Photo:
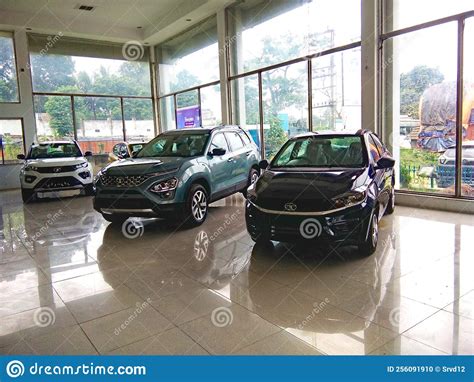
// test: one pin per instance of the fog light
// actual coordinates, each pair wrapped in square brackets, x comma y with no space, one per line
[30,178]
[85,174]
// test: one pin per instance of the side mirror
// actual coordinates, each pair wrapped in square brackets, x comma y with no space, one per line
[218,151]
[263,164]
[88,154]
[135,153]
[385,162]
[21,156]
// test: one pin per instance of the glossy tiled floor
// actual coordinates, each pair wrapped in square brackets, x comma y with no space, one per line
[70,283]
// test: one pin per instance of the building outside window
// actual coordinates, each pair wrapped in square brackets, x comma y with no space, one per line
[11,140]
[8,73]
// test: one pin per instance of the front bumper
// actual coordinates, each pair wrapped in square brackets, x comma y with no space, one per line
[55,182]
[135,202]
[348,225]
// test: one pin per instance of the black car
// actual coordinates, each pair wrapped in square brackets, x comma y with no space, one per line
[330,187]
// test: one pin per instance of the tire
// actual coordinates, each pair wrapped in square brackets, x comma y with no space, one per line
[391,203]
[115,219]
[27,196]
[196,206]
[368,246]
[253,176]
[89,189]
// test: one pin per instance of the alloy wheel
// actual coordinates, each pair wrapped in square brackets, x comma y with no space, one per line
[375,230]
[199,205]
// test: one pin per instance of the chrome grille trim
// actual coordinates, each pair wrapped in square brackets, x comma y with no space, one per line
[123,181]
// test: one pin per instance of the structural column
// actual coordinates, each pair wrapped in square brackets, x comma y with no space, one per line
[223,50]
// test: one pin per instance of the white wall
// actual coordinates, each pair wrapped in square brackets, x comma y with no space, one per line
[9,174]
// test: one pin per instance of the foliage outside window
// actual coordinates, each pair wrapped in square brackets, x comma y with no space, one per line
[8,74]
[11,139]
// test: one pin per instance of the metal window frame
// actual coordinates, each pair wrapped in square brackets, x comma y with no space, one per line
[73,96]
[460,19]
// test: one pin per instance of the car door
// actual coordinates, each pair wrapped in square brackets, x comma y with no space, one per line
[382,176]
[221,166]
[240,170]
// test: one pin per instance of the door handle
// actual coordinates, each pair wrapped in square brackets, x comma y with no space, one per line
[248,153]
[230,159]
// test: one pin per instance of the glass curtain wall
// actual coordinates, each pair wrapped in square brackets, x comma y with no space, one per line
[90,91]
[283,79]
[8,73]
[424,122]
[188,78]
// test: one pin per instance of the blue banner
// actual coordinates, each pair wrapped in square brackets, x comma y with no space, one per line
[237,368]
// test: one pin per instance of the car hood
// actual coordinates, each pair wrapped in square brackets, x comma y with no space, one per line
[309,190]
[49,162]
[140,166]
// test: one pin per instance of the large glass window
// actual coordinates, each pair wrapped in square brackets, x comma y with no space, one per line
[167,113]
[211,105]
[11,140]
[56,73]
[138,114]
[421,106]
[406,13]
[245,110]
[53,118]
[336,81]
[285,105]
[268,32]
[99,123]
[8,75]
[189,59]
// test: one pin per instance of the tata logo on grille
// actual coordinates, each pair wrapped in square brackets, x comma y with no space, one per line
[57,169]
[290,207]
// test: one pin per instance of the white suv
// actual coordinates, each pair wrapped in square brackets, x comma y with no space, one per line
[55,169]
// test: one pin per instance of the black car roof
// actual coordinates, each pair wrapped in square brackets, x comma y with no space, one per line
[357,133]
[203,129]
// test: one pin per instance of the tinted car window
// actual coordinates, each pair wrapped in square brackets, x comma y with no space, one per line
[235,141]
[324,151]
[219,142]
[54,150]
[175,145]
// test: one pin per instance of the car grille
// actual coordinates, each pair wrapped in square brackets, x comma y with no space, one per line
[55,169]
[59,182]
[123,181]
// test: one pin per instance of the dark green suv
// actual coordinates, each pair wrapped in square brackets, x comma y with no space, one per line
[177,174]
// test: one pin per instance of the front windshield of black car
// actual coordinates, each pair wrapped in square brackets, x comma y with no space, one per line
[54,150]
[321,152]
[175,145]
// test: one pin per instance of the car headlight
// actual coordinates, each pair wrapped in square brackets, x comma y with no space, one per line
[350,199]
[81,165]
[31,167]
[164,185]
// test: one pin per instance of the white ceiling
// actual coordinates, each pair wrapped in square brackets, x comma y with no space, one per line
[111,20]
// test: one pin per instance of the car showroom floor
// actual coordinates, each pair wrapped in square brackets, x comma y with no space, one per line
[71,283]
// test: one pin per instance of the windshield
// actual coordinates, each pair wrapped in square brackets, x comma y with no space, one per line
[54,150]
[175,145]
[322,151]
